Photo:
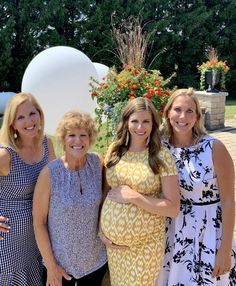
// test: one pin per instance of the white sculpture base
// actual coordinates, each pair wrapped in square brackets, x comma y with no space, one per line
[214,104]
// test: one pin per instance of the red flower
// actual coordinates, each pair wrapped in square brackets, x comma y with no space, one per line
[159,90]
[151,91]
[166,93]
[131,95]
[156,82]
[136,72]
[94,93]
[148,95]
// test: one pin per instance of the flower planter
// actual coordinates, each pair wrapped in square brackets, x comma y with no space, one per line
[212,79]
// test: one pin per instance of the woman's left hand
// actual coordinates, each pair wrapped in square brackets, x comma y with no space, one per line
[122,194]
[222,263]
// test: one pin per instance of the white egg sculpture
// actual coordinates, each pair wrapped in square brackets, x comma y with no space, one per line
[59,79]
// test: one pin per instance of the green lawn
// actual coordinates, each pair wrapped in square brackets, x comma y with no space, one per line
[230,108]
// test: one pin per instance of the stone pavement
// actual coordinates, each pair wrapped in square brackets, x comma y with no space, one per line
[227,135]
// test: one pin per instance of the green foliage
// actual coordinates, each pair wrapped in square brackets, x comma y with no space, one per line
[182,31]
[120,87]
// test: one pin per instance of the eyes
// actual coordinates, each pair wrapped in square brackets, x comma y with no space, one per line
[179,110]
[32,113]
[136,121]
[73,135]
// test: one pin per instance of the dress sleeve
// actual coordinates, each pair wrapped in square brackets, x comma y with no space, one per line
[170,168]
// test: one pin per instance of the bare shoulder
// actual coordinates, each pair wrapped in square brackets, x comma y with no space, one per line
[51,149]
[221,156]
[219,149]
[45,173]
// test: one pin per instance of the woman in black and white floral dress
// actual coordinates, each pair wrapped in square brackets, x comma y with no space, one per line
[199,243]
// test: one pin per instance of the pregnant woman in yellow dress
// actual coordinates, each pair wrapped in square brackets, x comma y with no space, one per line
[143,190]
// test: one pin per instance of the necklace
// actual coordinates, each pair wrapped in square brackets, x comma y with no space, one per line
[80,183]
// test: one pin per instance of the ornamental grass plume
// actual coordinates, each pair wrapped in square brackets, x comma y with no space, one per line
[132,81]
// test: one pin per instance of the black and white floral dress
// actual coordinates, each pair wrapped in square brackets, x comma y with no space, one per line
[193,238]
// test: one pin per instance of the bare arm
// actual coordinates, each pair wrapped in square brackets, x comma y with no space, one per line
[167,206]
[224,169]
[41,202]
[5,162]
[5,165]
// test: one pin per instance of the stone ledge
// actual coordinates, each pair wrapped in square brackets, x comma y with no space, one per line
[214,105]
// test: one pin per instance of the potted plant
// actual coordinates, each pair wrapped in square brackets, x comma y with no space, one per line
[212,71]
[132,81]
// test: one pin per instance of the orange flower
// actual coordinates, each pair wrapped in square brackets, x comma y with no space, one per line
[134,86]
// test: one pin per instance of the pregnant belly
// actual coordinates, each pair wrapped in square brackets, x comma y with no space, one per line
[129,225]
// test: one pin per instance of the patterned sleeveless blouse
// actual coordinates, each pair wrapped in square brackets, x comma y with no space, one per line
[73,216]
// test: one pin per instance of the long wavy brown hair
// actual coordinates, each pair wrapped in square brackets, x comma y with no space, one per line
[119,147]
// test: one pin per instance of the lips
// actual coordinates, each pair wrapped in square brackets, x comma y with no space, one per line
[181,124]
[30,128]
[77,147]
[140,133]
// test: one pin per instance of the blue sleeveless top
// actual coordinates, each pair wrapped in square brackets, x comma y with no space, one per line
[73,216]
[18,249]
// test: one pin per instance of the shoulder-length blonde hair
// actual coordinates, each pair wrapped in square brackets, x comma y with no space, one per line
[76,119]
[198,128]
[7,130]
[120,146]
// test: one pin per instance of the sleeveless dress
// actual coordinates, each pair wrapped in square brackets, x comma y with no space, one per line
[73,216]
[130,225]
[20,260]
[193,238]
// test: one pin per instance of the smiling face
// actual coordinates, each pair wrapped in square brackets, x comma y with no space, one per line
[182,115]
[27,120]
[140,127]
[77,142]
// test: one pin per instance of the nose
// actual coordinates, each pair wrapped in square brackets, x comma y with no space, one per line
[182,114]
[140,126]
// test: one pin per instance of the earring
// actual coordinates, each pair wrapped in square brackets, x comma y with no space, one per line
[127,139]
[148,141]
[15,135]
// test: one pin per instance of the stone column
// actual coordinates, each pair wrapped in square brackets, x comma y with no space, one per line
[214,104]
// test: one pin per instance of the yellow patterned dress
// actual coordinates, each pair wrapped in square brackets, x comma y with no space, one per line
[126,224]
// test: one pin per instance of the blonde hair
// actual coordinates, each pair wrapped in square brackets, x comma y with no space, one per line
[75,119]
[198,128]
[120,146]
[7,130]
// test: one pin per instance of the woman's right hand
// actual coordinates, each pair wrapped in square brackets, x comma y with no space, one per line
[109,243]
[55,274]
[4,227]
